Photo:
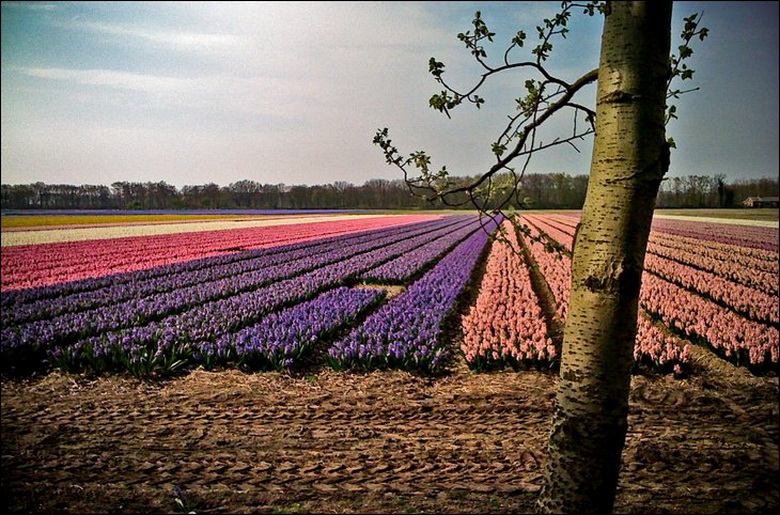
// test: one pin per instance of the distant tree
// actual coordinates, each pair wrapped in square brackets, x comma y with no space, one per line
[631,155]
[245,193]
[18,196]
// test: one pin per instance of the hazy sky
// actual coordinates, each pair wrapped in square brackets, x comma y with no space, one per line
[190,93]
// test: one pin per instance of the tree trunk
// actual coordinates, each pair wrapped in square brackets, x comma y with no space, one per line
[630,157]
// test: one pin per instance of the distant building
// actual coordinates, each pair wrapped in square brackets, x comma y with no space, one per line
[760,202]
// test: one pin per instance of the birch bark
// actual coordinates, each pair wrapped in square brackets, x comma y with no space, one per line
[630,157]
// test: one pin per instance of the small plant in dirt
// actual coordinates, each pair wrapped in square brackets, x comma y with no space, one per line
[183,501]
[295,507]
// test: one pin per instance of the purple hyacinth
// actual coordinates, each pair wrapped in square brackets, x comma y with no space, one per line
[406,332]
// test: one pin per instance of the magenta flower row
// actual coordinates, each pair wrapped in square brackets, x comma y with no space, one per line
[29,266]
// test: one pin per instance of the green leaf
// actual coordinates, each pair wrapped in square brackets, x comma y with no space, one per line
[436,68]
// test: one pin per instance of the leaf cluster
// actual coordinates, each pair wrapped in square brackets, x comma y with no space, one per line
[545,94]
[678,67]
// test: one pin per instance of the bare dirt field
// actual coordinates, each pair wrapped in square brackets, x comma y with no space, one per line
[389,441]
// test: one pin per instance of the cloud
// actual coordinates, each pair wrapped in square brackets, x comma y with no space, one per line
[282,92]
[202,96]
[31,6]
[177,40]
[114,79]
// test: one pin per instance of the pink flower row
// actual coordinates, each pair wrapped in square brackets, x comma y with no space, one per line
[29,266]
[562,233]
[709,238]
[755,268]
[555,267]
[743,235]
[755,258]
[745,270]
[659,347]
[737,338]
[653,345]
[725,330]
[506,322]
[756,304]
[745,239]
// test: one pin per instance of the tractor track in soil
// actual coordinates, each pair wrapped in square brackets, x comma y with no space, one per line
[386,441]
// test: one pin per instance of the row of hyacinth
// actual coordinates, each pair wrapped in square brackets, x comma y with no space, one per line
[64,329]
[698,318]
[653,347]
[553,266]
[178,212]
[401,269]
[557,232]
[750,258]
[737,339]
[207,321]
[407,331]
[266,263]
[754,304]
[277,341]
[706,232]
[754,273]
[16,298]
[659,350]
[758,259]
[765,238]
[283,338]
[506,324]
[62,230]
[755,268]
[40,265]
[79,232]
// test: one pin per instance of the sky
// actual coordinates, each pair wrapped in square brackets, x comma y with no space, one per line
[293,92]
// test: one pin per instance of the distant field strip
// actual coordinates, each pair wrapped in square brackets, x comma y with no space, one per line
[101,233]
[731,221]
[27,222]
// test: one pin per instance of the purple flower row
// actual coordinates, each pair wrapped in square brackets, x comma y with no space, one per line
[160,341]
[405,266]
[205,271]
[406,331]
[16,298]
[274,342]
[70,327]
[281,338]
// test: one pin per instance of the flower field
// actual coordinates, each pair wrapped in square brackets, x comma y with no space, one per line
[42,264]
[690,292]
[317,293]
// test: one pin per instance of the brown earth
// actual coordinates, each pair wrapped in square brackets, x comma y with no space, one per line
[331,442]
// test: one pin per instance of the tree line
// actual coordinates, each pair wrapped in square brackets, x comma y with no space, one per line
[537,191]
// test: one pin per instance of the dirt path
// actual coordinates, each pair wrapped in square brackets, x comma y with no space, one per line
[380,442]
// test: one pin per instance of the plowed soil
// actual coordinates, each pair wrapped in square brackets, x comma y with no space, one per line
[327,442]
